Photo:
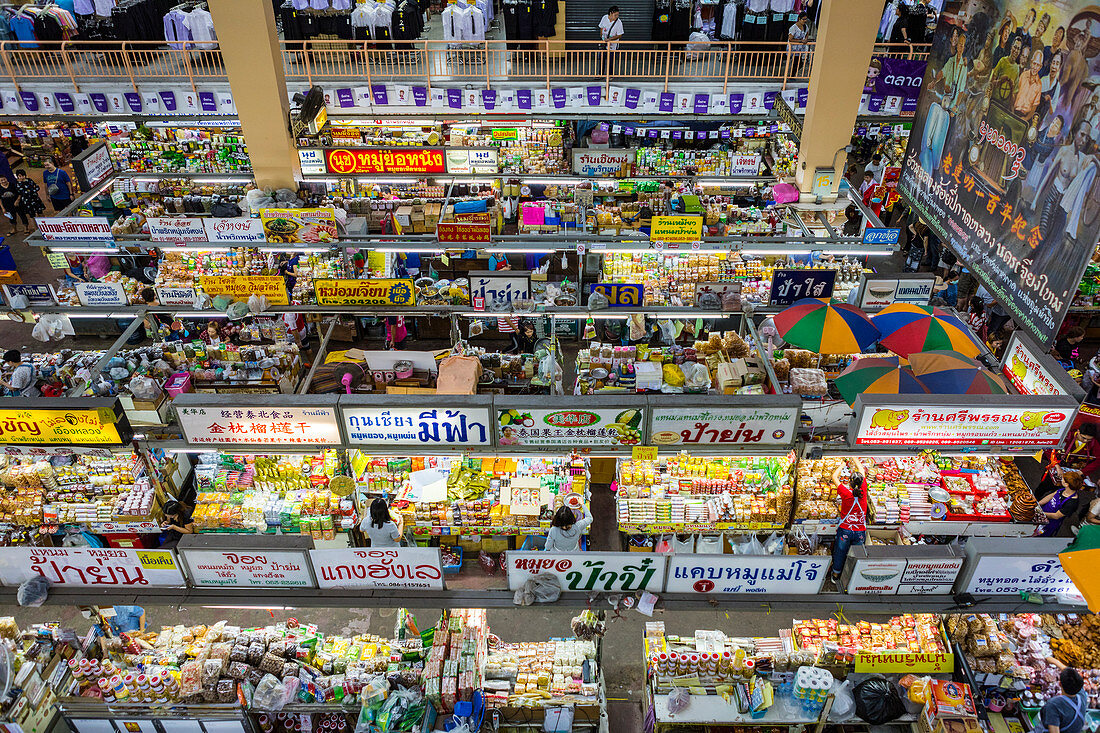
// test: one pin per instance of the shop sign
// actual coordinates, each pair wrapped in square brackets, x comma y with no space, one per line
[124,527]
[90,567]
[93,166]
[176,229]
[589,571]
[379,291]
[242,287]
[473,160]
[929,575]
[299,226]
[405,568]
[789,574]
[876,576]
[462,232]
[609,163]
[621,295]
[418,425]
[881,292]
[906,662]
[259,425]
[592,426]
[676,229]
[261,569]
[745,164]
[234,229]
[1023,366]
[75,228]
[750,426]
[901,424]
[344,161]
[312,161]
[35,294]
[506,133]
[503,287]
[790,286]
[176,297]
[473,217]
[882,235]
[53,426]
[101,294]
[1008,575]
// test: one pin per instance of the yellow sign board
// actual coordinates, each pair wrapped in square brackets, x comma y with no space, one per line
[240,287]
[379,291]
[56,427]
[903,662]
[156,560]
[57,260]
[676,229]
[644,453]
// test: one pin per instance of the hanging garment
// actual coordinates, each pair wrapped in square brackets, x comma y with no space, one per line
[727,28]
[662,21]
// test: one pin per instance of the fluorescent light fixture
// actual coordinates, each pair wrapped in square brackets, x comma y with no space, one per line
[200,314]
[195,248]
[420,250]
[85,250]
[296,249]
[502,250]
[381,180]
[100,315]
[257,608]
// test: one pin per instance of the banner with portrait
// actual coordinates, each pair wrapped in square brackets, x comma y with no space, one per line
[1003,162]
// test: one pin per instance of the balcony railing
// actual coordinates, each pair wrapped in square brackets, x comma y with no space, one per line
[428,62]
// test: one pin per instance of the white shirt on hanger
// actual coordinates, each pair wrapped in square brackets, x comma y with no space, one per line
[473,27]
[201,25]
[757,6]
[782,6]
[341,4]
[729,20]
[452,29]
[83,7]
[104,7]
[361,17]
[318,4]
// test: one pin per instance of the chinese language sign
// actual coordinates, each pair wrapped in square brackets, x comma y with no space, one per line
[260,426]
[76,427]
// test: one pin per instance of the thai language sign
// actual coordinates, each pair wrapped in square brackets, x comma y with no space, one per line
[621,295]
[299,226]
[906,662]
[614,163]
[177,297]
[101,294]
[241,287]
[74,228]
[406,568]
[176,229]
[589,571]
[1008,575]
[87,566]
[1025,370]
[900,424]
[418,425]
[744,164]
[750,426]
[50,426]
[397,292]
[465,232]
[903,576]
[1000,162]
[260,569]
[676,229]
[375,160]
[234,229]
[259,425]
[600,426]
[791,574]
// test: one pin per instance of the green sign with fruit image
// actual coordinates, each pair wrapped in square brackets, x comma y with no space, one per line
[590,427]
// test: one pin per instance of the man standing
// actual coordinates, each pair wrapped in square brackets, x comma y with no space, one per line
[58,185]
[876,167]
[611,30]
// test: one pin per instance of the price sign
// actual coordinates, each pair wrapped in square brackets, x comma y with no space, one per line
[790,286]
[643,453]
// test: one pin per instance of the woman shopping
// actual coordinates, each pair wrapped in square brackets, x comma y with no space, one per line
[1061,500]
[853,515]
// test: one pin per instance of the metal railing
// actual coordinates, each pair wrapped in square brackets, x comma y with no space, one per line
[429,63]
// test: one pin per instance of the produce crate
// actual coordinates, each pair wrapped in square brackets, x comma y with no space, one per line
[454,569]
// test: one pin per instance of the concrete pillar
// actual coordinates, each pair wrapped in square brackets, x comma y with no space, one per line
[845,43]
[250,51]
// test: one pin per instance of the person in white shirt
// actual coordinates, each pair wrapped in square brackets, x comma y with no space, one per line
[796,43]
[565,531]
[876,167]
[380,527]
[611,30]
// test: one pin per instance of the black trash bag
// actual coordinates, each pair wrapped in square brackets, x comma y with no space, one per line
[878,701]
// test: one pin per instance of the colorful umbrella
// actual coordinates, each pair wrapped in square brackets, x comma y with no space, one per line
[912,328]
[877,376]
[826,328]
[926,362]
[964,381]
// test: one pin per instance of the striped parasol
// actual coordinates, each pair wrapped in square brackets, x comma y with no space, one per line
[829,328]
[908,329]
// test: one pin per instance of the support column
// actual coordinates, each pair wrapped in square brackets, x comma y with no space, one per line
[845,43]
[254,65]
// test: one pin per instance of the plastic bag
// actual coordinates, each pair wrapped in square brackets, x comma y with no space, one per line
[33,592]
[754,547]
[221,302]
[40,332]
[598,301]
[270,694]
[773,545]
[257,303]
[19,302]
[145,388]
[237,311]
[678,700]
[540,588]
[843,702]
[476,327]
[877,700]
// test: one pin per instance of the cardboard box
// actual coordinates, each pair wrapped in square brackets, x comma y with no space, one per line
[404,215]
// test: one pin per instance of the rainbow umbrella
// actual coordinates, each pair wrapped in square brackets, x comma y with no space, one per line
[912,328]
[949,372]
[827,328]
[877,376]
[927,362]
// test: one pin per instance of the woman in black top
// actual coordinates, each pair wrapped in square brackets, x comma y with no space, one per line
[29,200]
[9,198]
[177,523]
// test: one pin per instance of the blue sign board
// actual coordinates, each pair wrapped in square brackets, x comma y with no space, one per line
[881,235]
[621,295]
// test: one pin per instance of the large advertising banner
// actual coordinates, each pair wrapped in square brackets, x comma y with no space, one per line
[1002,163]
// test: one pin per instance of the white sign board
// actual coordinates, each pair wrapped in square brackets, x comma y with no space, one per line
[91,567]
[876,576]
[1025,370]
[788,574]
[75,228]
[1008,575]
[409,568]
[487,288]
[923,576]
[97,165]
[745,165]
[176,229]
[103,294]
[259,426]
[900,424]
[261,569]
[749,426]
[234,229]
[418,425]
[881,292]
[590,571]
[176,297]
[602,162]
[312,161]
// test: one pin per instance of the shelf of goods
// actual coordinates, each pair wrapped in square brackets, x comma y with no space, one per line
[790,680]
[164,195]
[160,149]
[670,278]
[723,364]
[272,494]
[104,492]
[1087,297]
[37,140]
[685,493]
[500,498]
[186,269]
[921,492]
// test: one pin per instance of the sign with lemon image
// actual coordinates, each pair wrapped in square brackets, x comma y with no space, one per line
[599,426]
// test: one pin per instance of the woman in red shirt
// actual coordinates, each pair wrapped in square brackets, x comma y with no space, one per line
[853,515]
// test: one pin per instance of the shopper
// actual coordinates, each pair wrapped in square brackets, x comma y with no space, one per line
[289,270]
[566,530]
[29,200]
[867,186]
[9,199]
[1065,348]
[1062,501]
[853,515]
[611,30]
[23,376]
[876,167]
[58,185]
[1088,447]
[976,318]
[1065,713]
[177,523]
[379,526]
[797,36]
[947,288]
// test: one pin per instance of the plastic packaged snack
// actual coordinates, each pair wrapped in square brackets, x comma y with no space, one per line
[808,382]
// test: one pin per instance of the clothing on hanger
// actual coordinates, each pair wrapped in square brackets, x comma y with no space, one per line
[201,25]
